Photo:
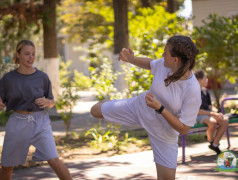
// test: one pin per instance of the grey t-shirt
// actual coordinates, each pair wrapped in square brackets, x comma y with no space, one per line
[19,91]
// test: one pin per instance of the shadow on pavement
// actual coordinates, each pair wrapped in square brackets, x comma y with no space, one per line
[204,165]
[79,170]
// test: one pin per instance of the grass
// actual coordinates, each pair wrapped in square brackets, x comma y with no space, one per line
[194,138]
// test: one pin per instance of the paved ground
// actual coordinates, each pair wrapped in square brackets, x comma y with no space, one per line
[201,162]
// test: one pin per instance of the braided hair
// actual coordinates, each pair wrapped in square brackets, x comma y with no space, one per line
[183,48]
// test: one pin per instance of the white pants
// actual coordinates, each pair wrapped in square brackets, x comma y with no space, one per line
[123,112]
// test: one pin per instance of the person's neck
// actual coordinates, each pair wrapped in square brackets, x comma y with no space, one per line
[186,75]
[26,70]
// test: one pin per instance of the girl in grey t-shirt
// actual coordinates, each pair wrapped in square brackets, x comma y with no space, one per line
[27,91]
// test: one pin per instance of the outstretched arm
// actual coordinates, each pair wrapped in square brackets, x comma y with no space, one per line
[127,55]
[172,120]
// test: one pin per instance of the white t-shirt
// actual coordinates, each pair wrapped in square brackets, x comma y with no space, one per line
[181,98]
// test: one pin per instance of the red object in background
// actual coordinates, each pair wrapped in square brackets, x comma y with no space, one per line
[201,42]
[210,82]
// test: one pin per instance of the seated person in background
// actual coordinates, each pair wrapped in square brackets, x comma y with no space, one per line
[208,115]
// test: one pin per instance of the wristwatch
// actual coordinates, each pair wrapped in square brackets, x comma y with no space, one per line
[160,110]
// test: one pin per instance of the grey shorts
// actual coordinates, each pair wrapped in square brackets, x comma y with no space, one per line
[200,118]
[23,130]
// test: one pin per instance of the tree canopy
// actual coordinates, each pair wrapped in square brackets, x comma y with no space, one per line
[217,40]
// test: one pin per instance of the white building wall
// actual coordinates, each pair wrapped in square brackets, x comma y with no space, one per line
[79,62]
[202,8]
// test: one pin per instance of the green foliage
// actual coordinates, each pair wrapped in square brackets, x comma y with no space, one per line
[196,138]
[217,40]
[99,139]
[4,116]
[149,30]
[17,21]
[102,75]
[68,97]
[135,4]
[104,140]
[218,43]
[81,81]
[85,20]
[5,67]
[94,18]
[231,107]
[193,138]
[103,80]
[139,80]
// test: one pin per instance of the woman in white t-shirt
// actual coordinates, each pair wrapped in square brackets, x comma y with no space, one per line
[168,109]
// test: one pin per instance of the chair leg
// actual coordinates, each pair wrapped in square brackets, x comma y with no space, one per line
[228,138]
[183,148]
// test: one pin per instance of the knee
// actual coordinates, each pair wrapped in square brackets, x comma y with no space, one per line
[96,109]
[225,122]
[53,161]
[212,125]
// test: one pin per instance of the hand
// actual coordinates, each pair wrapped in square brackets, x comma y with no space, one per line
[221,117]
[126,55]
[1,105]
[151,101]
[42,102]
[217,116]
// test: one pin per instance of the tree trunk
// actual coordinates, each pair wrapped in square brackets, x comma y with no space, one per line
[120,39]
[171,6]
[50,44]
[145,3]
[216,90]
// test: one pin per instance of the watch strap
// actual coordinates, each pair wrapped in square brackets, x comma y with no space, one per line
[160,110]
